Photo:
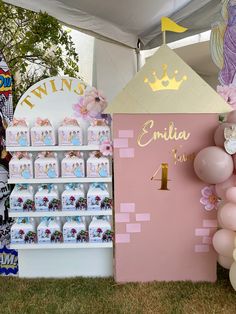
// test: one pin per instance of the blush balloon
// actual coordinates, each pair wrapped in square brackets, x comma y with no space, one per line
[223,242]
[231,118]
[230,195]
[219,137]
[225,261]
[221,188]
[213,165]
[227,216]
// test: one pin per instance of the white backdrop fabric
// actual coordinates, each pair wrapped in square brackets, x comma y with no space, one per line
[129,21]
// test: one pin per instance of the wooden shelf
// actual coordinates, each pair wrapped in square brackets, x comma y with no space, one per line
[62,213]
[51,148]
[59,180]
[50,246]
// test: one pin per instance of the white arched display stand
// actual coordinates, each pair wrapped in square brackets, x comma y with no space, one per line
[53,98]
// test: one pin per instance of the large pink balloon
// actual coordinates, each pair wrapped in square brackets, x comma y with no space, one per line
[213,165]
[219,134]
[230,195]
[225,261]
[227,216]
[223,242]
[231,118]
[221,188]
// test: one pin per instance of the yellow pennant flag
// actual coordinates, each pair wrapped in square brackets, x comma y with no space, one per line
[169,25]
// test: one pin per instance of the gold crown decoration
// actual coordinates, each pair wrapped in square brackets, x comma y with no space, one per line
[165,82]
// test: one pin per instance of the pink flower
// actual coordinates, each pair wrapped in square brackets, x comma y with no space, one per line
[20,200]
[106,148]
[47,231]
[91,105]
[95,101]
[209,199]
[21,231]
[228,92]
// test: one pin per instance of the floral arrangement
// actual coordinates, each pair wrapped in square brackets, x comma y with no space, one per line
[91,105]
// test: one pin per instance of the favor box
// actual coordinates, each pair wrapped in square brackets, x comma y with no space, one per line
[74,230]
[22,198]
[98,132]
[49,231]
[70,133]
[100,230]
[46,165]
[23,231]
[47,198]
[17,134]
[43,133]
[98,166]
[98,197]
[73,197]
[21,166]
[72,165]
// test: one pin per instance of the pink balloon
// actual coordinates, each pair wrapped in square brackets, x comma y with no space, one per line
[231,118]
[219,134]
[221,188]
[223,242]
[225,261]
[213,165]
[231,195]
[227,216]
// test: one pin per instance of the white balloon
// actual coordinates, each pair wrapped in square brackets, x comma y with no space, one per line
[232,275]
[225,261]
[223,242]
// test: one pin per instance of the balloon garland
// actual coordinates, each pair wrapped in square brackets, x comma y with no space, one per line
[215,165]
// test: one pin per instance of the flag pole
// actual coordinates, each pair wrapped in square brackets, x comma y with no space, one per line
[164,37]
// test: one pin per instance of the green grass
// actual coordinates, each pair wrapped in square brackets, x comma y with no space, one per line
[88,295]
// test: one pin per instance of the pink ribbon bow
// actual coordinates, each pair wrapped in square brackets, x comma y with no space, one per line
[70,121]
[73,153]
[19,122]
[99,122]
[42,122]
[46,155]
[20,155]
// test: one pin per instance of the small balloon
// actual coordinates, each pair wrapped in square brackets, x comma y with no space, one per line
[221,188]
[225,261]
[213,165]
[219,137]
[223,242]
[227,216]
[231,195]
[232,275]
[231,118]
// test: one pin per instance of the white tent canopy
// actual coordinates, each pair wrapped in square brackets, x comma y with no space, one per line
[129,21]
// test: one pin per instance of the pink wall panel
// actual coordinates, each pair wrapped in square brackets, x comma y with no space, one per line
[166,234]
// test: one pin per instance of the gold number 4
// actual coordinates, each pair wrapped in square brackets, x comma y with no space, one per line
[164,176]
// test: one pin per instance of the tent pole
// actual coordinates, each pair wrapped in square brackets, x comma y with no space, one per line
[138,56]
[164,37]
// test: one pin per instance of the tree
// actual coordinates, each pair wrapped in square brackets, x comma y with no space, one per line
[35,46]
